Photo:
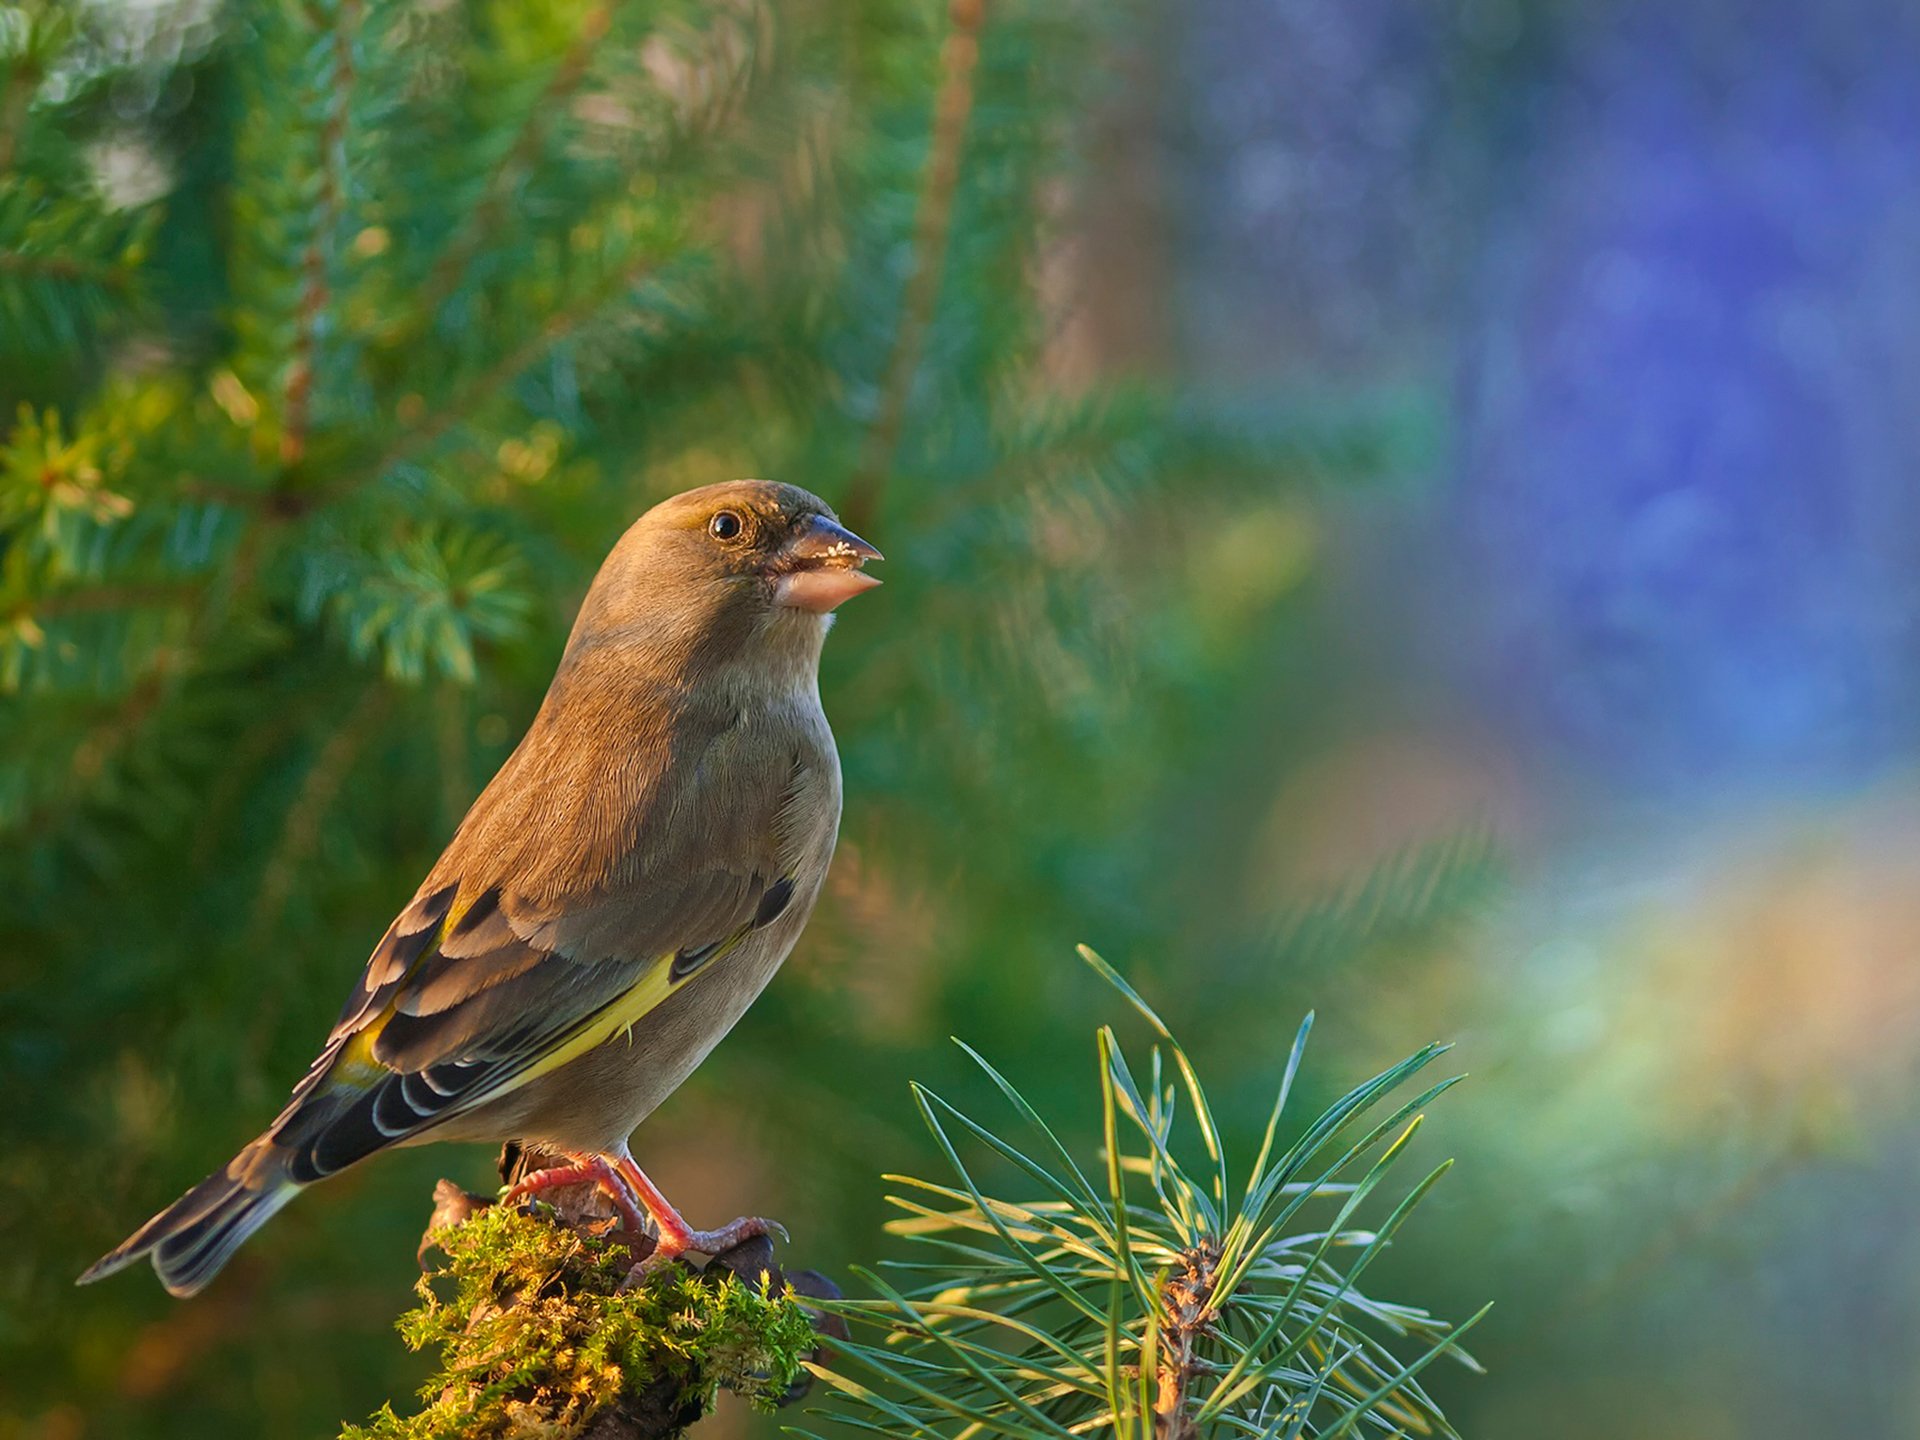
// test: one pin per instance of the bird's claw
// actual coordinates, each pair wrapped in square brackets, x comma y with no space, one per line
[711,1243]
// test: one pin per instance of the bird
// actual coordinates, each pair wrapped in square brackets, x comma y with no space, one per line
[617,896]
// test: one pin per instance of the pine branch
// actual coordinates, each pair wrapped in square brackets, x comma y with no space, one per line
[115,597]
[959,58]
[1168,1300]
[1187,1313]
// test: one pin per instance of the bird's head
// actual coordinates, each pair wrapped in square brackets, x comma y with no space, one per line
[727,572]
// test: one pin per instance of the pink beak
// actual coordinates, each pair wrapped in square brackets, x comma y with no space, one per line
[822,567]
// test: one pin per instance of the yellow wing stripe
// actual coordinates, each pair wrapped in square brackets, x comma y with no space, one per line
[622,1014]
[357,1067]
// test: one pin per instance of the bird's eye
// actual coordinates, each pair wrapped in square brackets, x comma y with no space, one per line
[726,525]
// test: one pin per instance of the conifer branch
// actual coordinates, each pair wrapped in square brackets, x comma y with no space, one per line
[68,267]
[96,751]
[297,404]
[423,433]
[300,834]
[959,59]
[114,597]
[22,79]
[451,267]
[73,268]
[1164,1302]
[1186,1299]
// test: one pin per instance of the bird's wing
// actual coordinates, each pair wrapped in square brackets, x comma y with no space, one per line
[470,996]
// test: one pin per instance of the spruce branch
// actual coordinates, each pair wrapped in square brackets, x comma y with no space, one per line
[469,399]
[484,219]
[297,396]
[69,267]
[953,104]
[16,93]
[106,275]
[116,597]
[300,832]
[28,43]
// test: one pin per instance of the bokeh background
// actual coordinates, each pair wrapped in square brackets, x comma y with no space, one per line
[1404,510]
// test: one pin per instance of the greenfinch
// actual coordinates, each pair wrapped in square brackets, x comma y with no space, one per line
[618,895]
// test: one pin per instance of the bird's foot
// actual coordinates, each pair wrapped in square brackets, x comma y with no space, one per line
[584,1170]
[683,1240]
[675,1236]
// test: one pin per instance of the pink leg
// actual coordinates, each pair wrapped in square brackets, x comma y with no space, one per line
[676,1236]
[585,1170]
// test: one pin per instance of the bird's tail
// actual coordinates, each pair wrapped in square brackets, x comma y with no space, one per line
[193,1237]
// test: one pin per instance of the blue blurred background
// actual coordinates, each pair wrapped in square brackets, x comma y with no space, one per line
[1649,611]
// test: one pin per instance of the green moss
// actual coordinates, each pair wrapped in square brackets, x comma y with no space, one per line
[535,1337]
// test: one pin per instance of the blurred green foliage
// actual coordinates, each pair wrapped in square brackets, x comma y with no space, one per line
[338,342]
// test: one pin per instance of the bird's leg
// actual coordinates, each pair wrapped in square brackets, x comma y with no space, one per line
[676,1236]
[585,1170]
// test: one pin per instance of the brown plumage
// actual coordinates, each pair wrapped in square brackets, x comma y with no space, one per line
[615,899]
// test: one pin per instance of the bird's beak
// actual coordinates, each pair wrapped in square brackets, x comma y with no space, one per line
[820,566]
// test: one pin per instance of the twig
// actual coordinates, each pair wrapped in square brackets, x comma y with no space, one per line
[112,597]
[1186,1312]
[959,58]
[297,407]
[456,788]
[23,78]
[66,267]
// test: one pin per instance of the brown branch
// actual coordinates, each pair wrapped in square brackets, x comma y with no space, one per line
[112,597]
[451,267]
[65,267]
[297,404]
[236,496]
[23,78]
[1186,1311]
[117,731]
[959,58]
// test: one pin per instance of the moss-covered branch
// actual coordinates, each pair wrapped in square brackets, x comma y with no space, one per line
[543,1331]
